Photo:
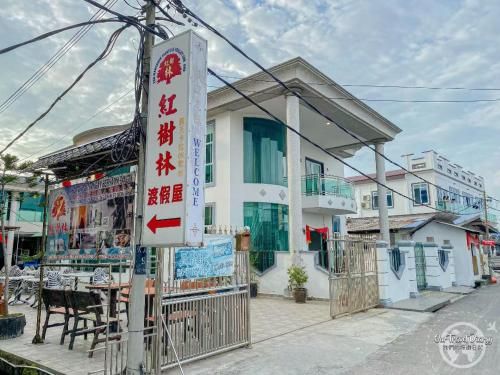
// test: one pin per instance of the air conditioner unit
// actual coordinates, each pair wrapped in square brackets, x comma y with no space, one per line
[367,198]
[365,204]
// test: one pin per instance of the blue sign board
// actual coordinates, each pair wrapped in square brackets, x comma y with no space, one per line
[213,260]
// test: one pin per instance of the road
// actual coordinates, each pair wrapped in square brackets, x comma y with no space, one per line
[417,353]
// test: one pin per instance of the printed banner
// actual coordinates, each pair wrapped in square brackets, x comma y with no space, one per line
[92,220]
[213,260]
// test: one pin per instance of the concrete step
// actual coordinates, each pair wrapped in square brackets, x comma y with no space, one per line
[423,303]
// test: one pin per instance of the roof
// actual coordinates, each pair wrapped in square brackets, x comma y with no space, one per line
[89,157]
[458,227]
[396,223]
[390,175]
[296,73]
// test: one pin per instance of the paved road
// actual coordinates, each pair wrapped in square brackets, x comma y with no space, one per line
[417,353]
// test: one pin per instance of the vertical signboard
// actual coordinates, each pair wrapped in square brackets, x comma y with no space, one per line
[175,143]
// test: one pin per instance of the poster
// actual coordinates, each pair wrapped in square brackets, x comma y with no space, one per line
[175,143]
[92,220]
[214,260]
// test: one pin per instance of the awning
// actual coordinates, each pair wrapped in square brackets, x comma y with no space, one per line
[83,160]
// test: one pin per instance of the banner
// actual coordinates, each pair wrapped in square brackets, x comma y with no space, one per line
[214,260]
[92,220]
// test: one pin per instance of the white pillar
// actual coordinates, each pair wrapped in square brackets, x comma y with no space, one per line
[13,212]
[295,235]
[383,214]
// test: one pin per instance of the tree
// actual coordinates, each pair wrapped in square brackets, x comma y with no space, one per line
[11,172]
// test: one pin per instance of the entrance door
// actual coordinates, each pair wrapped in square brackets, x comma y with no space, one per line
[314,172]
[420,266]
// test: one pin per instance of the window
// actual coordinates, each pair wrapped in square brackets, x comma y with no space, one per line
[468,180]
[268,224]
[390,201]
[463,178]
[30,207]
[418,166]
[209,153]
[475,183]
[467,199]
[454,194]
[440,166]
[264,151]
[455,174]
[448,170]
[420,194]
[209,214]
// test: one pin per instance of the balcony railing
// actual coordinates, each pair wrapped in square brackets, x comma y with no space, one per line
[463,209]
[327,185]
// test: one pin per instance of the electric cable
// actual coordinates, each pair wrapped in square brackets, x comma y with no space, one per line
[186,11]
[102,56]
[40,72]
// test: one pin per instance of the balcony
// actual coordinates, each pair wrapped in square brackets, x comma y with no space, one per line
[329,195]
[462,209]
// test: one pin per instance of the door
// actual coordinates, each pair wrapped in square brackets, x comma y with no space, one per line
[420,266]
[314,172]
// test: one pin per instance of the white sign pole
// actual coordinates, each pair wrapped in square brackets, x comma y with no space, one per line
[175,146]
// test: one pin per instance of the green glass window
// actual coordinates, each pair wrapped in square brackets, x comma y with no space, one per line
[268,224]
[209,215]
[264,148]
[30,208]
[209,153]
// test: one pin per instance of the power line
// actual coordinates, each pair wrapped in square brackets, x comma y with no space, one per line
[387,100]
[35,77]
[186,11]
[210,71]
[81,124]
[103,55]
[373,85]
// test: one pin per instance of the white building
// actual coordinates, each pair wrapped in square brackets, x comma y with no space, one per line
[23,217]
[462,191]
[261,175]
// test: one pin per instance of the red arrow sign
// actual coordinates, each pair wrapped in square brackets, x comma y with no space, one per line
[155,223]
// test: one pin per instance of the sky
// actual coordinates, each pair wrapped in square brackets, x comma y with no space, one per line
[446,43]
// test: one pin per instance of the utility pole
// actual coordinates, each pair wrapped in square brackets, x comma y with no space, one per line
[485,199]
[135,356]
[38,339]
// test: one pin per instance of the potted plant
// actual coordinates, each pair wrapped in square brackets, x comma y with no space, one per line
[297,277]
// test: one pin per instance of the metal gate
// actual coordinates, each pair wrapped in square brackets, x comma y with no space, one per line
[353,275]
[420,266]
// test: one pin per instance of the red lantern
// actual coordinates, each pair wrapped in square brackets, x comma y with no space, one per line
[66,183]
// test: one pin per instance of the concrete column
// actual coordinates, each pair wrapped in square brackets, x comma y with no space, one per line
[295,235]
[383,273]
[408,248]
[14,209]
[383,214]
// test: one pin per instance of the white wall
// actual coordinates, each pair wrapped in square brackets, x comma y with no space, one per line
[462,257]
[274,281]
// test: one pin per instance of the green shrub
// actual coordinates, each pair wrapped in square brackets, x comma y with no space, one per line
[297,276]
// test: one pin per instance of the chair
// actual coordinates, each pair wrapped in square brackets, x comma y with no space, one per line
[124,295]
[87,306]
[15,286]
[55,302]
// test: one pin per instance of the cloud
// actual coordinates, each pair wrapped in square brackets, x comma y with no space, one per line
[414,42]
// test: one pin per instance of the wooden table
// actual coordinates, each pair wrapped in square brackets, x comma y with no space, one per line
[113,289]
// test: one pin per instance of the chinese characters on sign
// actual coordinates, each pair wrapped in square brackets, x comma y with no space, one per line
[91,220]
[174,178]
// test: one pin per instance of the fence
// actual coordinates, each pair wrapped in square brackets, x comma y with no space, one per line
[353,275]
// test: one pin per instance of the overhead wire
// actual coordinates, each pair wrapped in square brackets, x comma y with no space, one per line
[187,12]
[40,72]
[102,56]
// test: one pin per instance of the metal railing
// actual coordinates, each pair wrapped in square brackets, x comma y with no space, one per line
[196,327]
[463,209]
[353,275]
[327,185]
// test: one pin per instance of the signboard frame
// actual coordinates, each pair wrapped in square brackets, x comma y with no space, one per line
[175,143]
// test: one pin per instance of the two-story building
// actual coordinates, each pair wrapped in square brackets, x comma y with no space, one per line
[461,192]
[258,173]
